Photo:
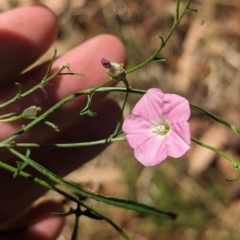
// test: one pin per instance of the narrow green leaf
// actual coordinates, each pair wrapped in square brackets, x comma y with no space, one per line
[128,204]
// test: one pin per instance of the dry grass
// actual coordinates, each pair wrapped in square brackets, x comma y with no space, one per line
[204,66]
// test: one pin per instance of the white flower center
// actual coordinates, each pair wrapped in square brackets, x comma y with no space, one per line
[162,128]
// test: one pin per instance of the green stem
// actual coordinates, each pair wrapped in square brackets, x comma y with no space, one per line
[221,153]
[116,131]
[177,9]
[63,145]
[11,119]
[235,164]
[50,65]
[216,118]
[75,229]
[14,98]
[52,109]
[40,85]
[44,81]
[164,41]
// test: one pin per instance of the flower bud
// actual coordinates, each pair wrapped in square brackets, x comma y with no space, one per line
[114,70]
[31,112]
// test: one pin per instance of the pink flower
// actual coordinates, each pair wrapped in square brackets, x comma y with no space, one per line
[158,127]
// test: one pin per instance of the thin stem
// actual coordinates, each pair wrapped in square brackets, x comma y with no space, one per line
[63,145]
[11,119]
[44,81]
[216,118]
[52,109]
[115,133]
[75,229]
[177,9]
[164,41]
[14,98]
[229,158]
[50,65]
[235,164]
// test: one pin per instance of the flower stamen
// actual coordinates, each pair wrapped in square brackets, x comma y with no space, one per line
[162,129]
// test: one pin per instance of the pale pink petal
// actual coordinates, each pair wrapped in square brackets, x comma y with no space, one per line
[183,131]
[150,106]
[176,146]
[135,124]
[151,152]
[137,139]
[176,108]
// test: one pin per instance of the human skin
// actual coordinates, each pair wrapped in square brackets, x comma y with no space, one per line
[25,34]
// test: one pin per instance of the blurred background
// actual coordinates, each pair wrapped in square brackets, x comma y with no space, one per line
[203,64]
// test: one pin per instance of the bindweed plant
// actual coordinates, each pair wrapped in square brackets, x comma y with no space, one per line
[156,129]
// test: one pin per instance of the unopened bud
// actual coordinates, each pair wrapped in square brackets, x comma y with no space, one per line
[114,70]
[106,63]
[31,112]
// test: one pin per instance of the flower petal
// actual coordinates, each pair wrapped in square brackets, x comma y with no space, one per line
[135,124]
[150,106]
[152,151]
[137,139]
[176,108]
[182,130]
[176,146]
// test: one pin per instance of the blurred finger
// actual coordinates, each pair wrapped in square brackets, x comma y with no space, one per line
[37,223]
[85,59]
[60,161]
[25,34]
